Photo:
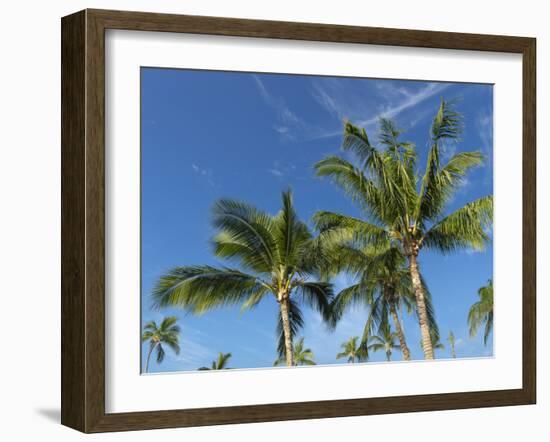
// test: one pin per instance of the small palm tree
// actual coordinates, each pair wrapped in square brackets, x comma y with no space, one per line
[384,285]
[352,351]
[481,312]
[276,255]
[384,340]
[401,208]
[167,333]
[452,342]
[302,356]
[220,363]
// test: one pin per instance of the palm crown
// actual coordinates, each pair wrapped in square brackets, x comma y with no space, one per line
[352,350]
[302,355]
[165,334]
[452,343]
[275,257]
[384,340]
[399,207]
[383,284]
[220,363]
[481,312]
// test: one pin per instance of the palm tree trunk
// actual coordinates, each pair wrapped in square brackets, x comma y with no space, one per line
[287,332]
[400,335]
[388,356]
[421,306]
[151,348]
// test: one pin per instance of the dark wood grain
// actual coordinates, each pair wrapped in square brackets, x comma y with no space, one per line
[73,254]
[529,220]
[83,220]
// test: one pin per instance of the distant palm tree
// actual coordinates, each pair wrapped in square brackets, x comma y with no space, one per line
[404,206]
[384,340]
[383,284]
[452,342]
[220,363]
[302,356]
[275,253]
[352,351]
[481,312]
[167,333]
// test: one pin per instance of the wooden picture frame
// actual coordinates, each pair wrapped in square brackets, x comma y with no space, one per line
[83,220]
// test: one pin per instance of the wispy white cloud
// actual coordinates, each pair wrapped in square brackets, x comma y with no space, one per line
[204,172]
[193,353]
[484,125]
[280,169]
[346,104]
[287,120]
[447,149]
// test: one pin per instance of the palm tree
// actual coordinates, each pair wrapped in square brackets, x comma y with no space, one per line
[302,356]
[402,209]
[352,351]
[384,285]
[384,340]
[481,312]
[220,363]
[436,342]
[275,255]
[167,333]
[452,343]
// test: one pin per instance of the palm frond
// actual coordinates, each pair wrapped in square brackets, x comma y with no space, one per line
[160,353]
[440,184]
[201,288]
[336,229]
[244,225]
[296,321]
[290,234]
[354,183]
[464,228]
[317,295]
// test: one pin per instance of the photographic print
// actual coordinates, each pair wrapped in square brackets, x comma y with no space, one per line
[302,220]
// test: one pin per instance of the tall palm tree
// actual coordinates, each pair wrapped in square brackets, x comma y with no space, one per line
[452,343]
[302,356]
[401,208]
[384,340]
[220,363]
[167,333]
[481,312]
[435,340]
[352,351]
[383,284]
[275,257]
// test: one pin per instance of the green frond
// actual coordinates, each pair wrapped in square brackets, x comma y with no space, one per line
[481,312]
[317,295]
[336,229]
[202,288]
[147,335]
[354,183]
[290,234]
[160,354]
[296,321]
[464,228]
[302,356]
[447,123]
[357,141]
[248,227]
[440,184]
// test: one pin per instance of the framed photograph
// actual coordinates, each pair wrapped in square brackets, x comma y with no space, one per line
[266,221]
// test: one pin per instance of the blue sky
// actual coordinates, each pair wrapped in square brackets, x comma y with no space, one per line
[208,134]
